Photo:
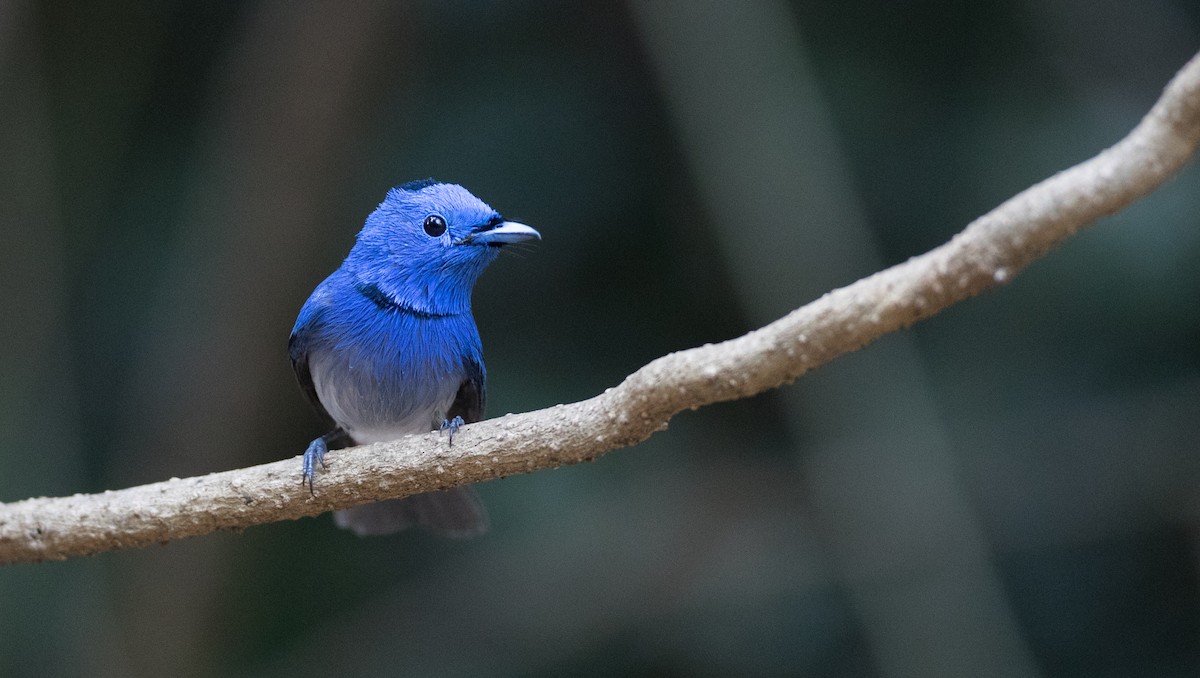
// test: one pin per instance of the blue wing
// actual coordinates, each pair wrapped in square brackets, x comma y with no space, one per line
[299,344]
[472,394]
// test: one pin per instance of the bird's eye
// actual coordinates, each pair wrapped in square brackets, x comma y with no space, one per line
[435,225]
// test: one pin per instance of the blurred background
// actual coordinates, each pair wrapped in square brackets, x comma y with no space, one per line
[1008,489]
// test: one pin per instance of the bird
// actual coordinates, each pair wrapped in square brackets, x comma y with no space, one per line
[387,344]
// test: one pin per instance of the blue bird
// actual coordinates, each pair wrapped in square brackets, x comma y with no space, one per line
[387,345]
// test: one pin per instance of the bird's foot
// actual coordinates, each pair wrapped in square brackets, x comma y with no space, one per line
[451,426]
[314,455]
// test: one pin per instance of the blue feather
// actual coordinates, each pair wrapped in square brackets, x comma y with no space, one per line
[387,345]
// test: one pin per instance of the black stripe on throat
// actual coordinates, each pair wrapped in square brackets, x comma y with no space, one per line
[386,303]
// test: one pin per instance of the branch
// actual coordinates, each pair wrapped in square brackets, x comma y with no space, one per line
[989,252]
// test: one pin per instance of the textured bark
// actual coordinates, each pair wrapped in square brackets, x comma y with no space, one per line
[988,253]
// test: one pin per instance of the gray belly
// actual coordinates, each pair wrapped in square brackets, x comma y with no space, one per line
[375,404]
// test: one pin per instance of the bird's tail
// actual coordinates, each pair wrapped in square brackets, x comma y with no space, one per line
[457,512]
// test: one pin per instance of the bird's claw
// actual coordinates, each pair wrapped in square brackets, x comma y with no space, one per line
[451,426]
[314,455]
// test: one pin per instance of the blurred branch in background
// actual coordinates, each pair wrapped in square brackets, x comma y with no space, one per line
[881,472]
[38,400]
[989,252]
[273,148]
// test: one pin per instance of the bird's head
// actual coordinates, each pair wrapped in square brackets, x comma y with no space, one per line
[427,243]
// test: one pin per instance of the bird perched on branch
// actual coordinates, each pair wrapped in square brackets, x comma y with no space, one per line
[387,345]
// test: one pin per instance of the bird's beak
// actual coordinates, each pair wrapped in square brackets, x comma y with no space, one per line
[504,233]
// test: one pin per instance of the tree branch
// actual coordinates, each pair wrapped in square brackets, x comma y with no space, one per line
[989,252]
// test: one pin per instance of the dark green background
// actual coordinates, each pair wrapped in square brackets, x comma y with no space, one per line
[1007,489]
